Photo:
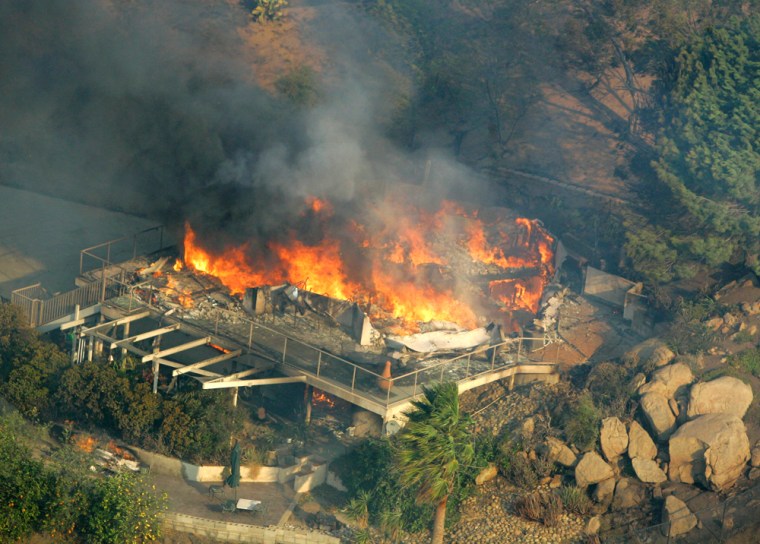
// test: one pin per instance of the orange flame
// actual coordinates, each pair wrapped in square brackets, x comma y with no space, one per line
[322,398]
[392,253]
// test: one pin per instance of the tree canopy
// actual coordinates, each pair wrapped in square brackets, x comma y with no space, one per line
[709,156]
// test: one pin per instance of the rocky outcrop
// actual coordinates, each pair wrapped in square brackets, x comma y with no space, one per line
[628,494]
[558,452]
[648,471]
[669,381]
[677,519]
[658,414]
[711,450]
[592,469]
[640,444]
[725,395]
[613,438]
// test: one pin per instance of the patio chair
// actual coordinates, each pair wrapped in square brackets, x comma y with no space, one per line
[229,506]
[216,491]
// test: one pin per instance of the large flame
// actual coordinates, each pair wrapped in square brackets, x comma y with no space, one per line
[393,278]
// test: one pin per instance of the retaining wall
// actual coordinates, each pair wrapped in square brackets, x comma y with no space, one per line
[307,473]
[240,532]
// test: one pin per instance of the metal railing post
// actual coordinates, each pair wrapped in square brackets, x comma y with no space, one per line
[319,361]
[493,357]
[250,336]
[519,346]
[284,348]
[353,380]
[467,372]
[414,390]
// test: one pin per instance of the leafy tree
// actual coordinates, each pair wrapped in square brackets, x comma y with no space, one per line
[18,341]
[125,509]
[708,153]
[432,448]
[94,393]
[23,489]
[197,426]
[269,10]
[30,385]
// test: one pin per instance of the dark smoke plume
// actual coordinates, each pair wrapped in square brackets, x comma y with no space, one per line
[152,108]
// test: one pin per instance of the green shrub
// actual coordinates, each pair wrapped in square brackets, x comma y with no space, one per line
[747,361]
[299,86]
[582,423]
[609,385]
[742,337]
[368,470]
[575,499]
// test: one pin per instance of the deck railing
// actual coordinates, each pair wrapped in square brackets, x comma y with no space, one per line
[351,377]
[41,308]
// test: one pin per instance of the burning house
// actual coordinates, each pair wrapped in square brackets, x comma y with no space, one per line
[361,308]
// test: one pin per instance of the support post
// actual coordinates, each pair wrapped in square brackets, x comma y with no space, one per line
[90,346]
[234,397]
[156,370]
[125,334]
[307,394]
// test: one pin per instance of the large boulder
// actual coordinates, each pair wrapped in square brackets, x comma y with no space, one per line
[640,444]
[558,452]
[658,414]
[725,395]
[669,381]
[592,469]
[613,438]
[628,494]
[677,519]
[648,471]
[711,450]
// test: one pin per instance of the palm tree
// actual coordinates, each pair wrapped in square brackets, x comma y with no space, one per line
[432,447]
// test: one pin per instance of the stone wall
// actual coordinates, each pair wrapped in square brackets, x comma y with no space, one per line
[240,532]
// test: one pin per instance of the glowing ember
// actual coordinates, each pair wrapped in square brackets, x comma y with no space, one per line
[406,263]
[183,296]
[219,348]
[178,265]
[320,398]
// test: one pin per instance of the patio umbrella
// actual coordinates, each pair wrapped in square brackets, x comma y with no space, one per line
[233,480]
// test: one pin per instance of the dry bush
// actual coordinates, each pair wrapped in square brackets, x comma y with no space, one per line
[529,507]
[553,509]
